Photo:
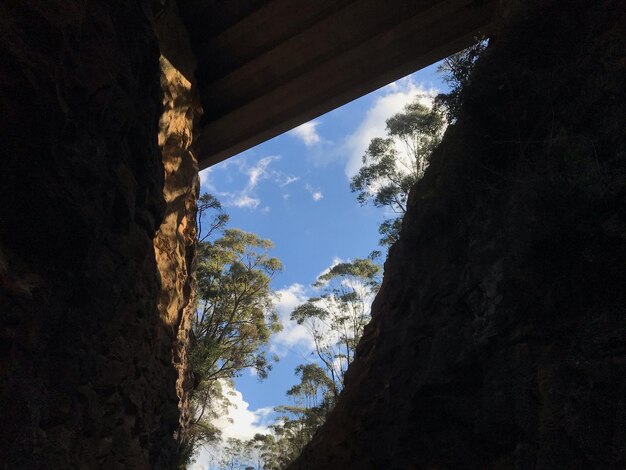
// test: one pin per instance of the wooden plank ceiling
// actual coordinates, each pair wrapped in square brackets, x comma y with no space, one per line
[266,66]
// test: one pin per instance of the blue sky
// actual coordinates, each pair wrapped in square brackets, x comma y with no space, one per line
[294,190]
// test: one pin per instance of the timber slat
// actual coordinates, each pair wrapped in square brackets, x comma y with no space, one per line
[408,46]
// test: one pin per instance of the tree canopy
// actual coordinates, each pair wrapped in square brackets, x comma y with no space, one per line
[336,318]
[393,164]
[234,316]
[457,73]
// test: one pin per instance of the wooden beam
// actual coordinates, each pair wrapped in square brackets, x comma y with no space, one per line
[399,49]
[208,18]
[332,36]
[272,24]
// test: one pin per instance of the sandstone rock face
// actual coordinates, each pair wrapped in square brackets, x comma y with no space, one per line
[87,329]
[175,241]
[498,339]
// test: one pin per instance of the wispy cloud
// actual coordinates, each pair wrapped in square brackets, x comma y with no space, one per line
[244,200]
[246,197]
[307,133]
[392,100]
[259,171]
[288,180]
[316,194]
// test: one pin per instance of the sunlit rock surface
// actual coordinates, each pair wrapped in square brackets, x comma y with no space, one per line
[175,241]
[499,335]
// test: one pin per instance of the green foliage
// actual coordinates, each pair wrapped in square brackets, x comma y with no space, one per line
[457,72]
[234,316]
[393,164]
[336,319]
[389,230]
[314,387]
[216,220]
[388,173]
[210,403]
[241,455]
[298,423]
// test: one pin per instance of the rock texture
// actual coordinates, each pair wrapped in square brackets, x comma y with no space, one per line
[498,339]
[175,241]
[89,319]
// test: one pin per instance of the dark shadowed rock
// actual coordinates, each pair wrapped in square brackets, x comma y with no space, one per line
[86,374]
[498,339]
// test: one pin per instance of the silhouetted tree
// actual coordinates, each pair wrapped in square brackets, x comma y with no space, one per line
[457,73]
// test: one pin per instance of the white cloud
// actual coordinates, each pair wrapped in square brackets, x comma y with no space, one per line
[259,171]
[393,99]
[292,334]
[246,197]
[266,210]
[286,196]
[206,458]
[243,200]
[288,180]
[315,194]
[240,423]
[205,183]
[307,133]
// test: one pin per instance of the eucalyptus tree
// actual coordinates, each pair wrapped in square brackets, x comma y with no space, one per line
[393,164]
[336,318]
[457,71]
[312,401]
[234,315]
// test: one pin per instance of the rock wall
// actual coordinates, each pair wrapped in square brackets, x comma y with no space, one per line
[175,241]
[498,339]
[90,318]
